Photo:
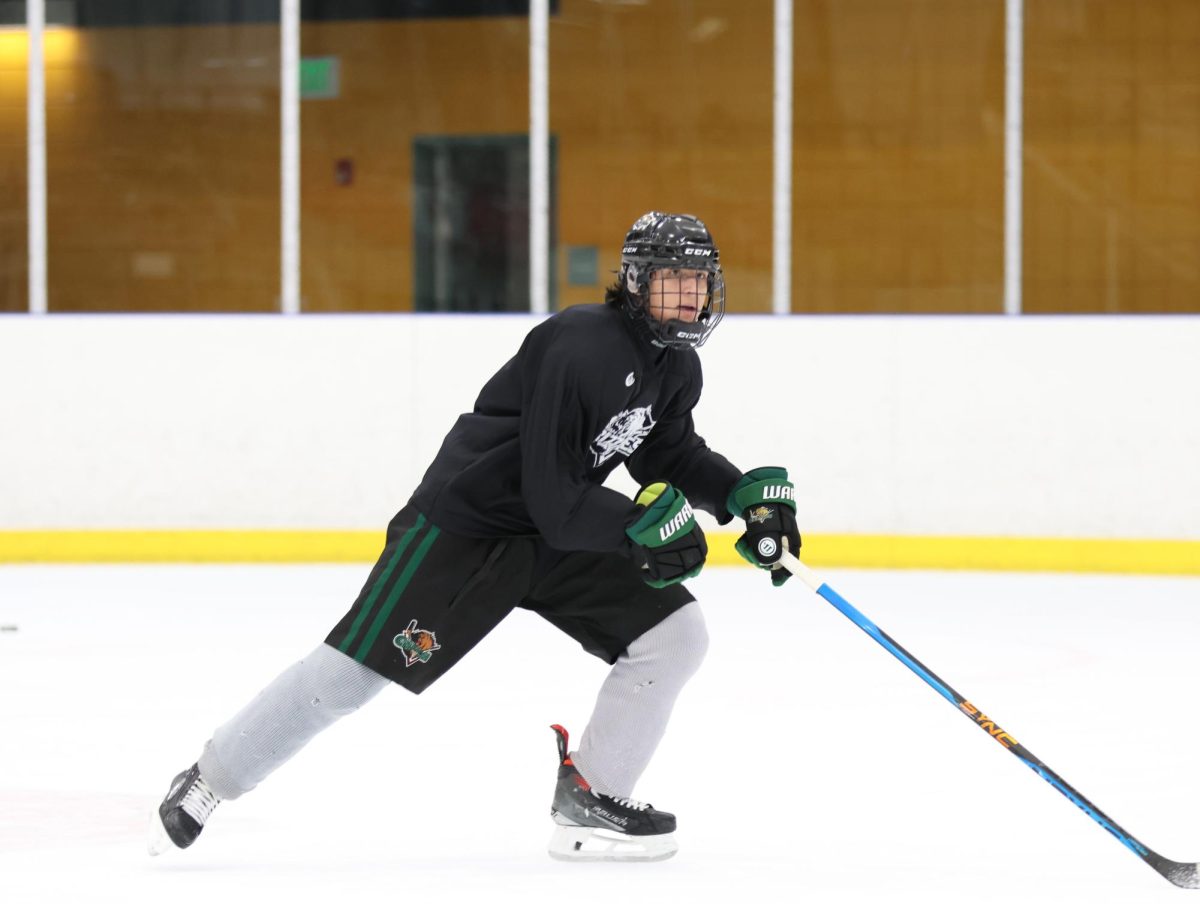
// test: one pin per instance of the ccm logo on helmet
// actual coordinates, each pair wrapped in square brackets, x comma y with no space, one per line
[698,252]
[682,335]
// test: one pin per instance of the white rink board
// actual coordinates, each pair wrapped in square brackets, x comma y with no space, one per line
[1030,426]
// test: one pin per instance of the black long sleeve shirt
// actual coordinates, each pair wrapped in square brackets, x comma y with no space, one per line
[584,394]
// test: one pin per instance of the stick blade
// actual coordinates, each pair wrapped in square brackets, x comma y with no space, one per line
[1185,875]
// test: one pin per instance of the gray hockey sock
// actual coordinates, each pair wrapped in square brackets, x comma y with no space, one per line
[636,699]
[289,712]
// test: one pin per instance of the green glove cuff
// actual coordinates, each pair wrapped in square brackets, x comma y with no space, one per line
[743,550]
[758,486]
[668,515]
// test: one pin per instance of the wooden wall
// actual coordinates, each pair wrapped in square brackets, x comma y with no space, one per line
[898,169]
[164,143]
[14,246]
[1112,156]
[398,80]
[663,107]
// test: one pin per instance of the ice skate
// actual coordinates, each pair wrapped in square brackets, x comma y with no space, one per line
[590,825]
[179,818]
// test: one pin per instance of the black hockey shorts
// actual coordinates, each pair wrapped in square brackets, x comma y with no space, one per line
[432,596]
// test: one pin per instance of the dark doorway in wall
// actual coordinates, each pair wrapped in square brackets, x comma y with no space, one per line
[471,223]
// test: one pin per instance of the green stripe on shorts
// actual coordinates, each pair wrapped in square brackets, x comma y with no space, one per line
[369,603]
[405,576]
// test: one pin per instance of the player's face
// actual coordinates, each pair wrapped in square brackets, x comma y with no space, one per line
[677,294]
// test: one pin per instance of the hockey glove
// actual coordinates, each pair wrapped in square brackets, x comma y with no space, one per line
[766,499]
[667,541]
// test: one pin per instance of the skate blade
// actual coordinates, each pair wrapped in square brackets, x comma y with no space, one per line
[157,839]
[586,844]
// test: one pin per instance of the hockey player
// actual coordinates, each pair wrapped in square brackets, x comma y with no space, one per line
[512,512]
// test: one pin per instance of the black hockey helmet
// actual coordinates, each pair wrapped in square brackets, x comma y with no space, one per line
[667,241]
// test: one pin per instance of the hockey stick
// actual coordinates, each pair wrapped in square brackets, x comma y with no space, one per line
[1185,875]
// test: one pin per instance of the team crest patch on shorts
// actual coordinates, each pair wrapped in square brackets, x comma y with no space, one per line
[416,643]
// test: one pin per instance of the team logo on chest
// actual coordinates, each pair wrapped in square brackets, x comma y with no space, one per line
[623,434]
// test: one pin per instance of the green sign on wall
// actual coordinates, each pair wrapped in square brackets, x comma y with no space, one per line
[319,78]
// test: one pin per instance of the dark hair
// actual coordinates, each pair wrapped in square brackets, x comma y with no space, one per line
[615,294]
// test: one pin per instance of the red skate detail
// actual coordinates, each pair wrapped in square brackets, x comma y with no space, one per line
[563,744]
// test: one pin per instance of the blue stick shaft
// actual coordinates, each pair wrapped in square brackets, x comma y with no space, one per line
[1185,875]
[843,606]
[976,716]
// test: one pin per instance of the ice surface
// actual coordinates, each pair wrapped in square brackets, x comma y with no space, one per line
[804,762]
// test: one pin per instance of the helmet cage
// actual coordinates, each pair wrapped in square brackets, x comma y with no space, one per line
[660,242]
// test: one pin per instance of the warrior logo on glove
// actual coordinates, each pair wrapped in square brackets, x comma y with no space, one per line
[779,491]
[685,516]
[765,499]
[665,539]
